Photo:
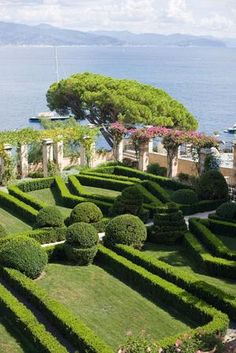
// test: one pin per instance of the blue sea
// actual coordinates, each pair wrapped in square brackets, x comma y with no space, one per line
[203,79]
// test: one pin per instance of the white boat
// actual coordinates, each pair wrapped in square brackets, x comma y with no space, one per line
[48,116]
[231,130]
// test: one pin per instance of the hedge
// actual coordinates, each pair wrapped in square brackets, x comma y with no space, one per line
[201,206]
[70,326]
[22,210]
[215,266]
[14,190]
[78,189]
[100,182]
[162,181]
[158,289]
[160,193]
[111,176]
[36,184]
[27,323]
[190,282]
[222,227]
[69,200]
[212,242]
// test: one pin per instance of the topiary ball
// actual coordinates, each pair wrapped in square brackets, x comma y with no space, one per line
[3,231]
[49,217]
[156,169]
[24,254]
[184,197]
[227,211]
[81,243]
[86,212]
[212,186]
[125,229]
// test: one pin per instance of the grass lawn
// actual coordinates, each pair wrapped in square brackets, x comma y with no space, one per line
[11,223]
[177,256]
[46,195]
[8,342]
[107,305]
[103,192]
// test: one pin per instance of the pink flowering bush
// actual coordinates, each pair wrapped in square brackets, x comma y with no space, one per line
[118,131]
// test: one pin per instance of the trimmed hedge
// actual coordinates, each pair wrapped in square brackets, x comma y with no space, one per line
[185,197]
[158,289]
[222,227]
[227,211]
[100,182]
[111,176]
[69,324]
[201,206]
[14,190]
[162,181]
[86,212]
[50,216]
[212,242]
[3,232]
[156,190]
[24,254]
[36,184]
[215,266]
[190,282]
[22,210]
[212,186]
[27,324]
[69,200]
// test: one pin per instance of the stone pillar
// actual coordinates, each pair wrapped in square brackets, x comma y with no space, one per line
[7,148]
[58,155]
[150,146]
[172,163]
[47,155]
[84,158]
[23,160]
[143,157]
[118,151]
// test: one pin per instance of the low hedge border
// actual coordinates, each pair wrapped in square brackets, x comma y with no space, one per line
[83,338]
[211,294]
[201,206]
[14,190]
[222,227]
[100,182]
[22,210]
[69,200]
[27,323]
[162,181]
[157,288]
[78,189]
[111,176]
[36,184]
[212,242]
[215,266]
[160,193]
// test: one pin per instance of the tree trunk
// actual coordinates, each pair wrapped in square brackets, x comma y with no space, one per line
[172,162]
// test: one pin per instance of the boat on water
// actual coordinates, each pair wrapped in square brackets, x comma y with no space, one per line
[231,130]
[48,116]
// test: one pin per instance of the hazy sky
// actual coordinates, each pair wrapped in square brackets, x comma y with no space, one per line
[211,17]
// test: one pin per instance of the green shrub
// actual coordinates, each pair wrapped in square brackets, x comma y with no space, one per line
[86,212]
[3,231]
[81,243]
[25,255]
[156,169]
[227,211]
[49,217]
[125,229]
[212,186]
[184,196]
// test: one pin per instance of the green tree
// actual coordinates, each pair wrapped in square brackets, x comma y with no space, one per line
[103,100]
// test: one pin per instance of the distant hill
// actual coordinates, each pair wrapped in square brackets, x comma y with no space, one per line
[180,40]
[44,34]
[19,34]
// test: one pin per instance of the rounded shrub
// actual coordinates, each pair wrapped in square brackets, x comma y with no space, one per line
[3,231]
[86,212]
[24,254]
[212,186]
[156,169]
[49,217]
[81,243]
[125,229]
[227,211]
[184,196]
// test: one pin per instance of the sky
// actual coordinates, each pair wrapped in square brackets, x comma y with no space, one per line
[198,17]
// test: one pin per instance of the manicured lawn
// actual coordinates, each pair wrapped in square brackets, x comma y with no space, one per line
[107,305]
[177,256]
[8,342]
[11,223]
[103,192]
[47,196]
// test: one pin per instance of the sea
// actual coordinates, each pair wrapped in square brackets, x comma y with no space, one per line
[203,79]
